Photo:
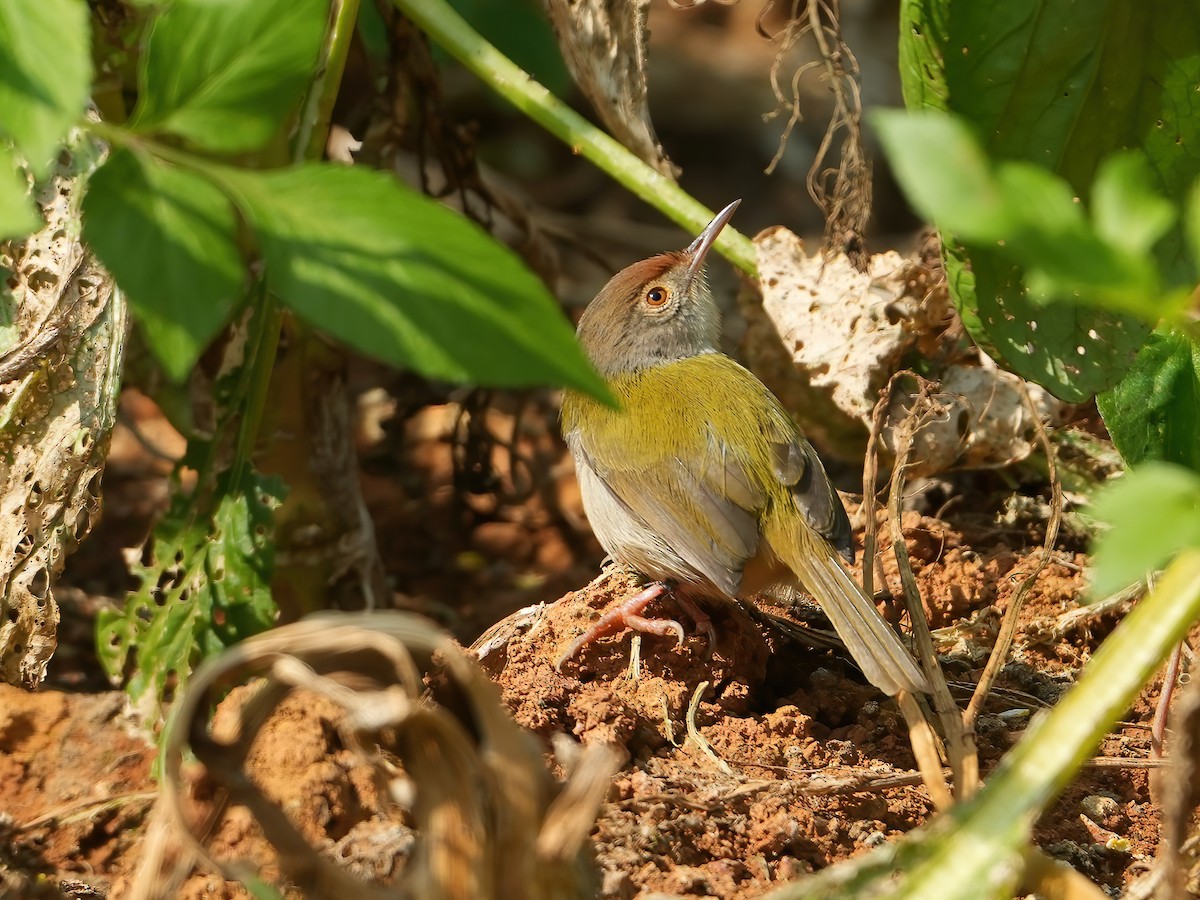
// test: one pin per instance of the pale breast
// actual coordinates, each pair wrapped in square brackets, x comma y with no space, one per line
[624,535]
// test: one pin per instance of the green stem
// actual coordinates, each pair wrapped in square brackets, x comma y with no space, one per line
[318,106]
[997,823]
[977,850]
[452,32]
[262,343]
[311,136]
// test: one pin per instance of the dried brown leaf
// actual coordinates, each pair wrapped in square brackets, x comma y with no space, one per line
[60,368]
[604,45]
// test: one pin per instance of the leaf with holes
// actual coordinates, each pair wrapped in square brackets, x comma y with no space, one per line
[1033,215]
[207,586]
[1062,87]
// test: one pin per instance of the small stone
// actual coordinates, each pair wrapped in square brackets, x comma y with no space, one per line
[1100,808]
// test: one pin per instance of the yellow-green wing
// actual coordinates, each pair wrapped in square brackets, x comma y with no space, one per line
[699,452]
[799,467]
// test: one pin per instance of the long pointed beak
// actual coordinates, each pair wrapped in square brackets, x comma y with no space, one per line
[698,249]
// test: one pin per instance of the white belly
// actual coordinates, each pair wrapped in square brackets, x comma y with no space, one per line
[624,536]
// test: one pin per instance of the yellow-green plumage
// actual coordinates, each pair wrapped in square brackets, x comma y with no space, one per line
[660,424]
[701,478]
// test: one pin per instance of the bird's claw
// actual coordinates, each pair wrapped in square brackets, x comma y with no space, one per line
[627,615]
[661,627]
[701,620]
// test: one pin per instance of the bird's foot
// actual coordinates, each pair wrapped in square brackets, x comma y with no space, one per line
[699,618]
[629,615]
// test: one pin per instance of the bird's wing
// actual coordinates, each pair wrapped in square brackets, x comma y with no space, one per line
[700,473]
[798,466]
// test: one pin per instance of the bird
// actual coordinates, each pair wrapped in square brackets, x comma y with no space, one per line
[699,480]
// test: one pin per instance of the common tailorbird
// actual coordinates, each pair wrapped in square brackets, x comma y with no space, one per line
[700,481]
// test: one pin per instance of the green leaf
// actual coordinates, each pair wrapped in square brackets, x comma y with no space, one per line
[1192,223]
[226,74]
[402,278]
[206,587]
[1154,512]
[45,74]
[17,215]
[168,237]
[1027,221]
[1126,205]
[1073,351]
[1028,212]
[1153,413]
[1065,256]
[945,173]
[1062,87]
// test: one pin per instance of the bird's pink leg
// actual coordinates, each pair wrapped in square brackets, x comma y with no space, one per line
[699,617]
[629,615]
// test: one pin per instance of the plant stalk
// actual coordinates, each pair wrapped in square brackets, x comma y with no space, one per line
[449,30]
[999,819]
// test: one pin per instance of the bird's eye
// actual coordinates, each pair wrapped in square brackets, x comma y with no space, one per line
[657,296]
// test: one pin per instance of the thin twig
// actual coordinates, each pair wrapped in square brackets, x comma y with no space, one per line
[869,493]
[1158,729]
[694,732]
[963,756]
[870,479]
[74,812]
[1180,792]
[1117,603]
[1121,762]
[1010,622]
[924,745]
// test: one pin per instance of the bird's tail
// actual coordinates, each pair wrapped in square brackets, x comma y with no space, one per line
[874,645]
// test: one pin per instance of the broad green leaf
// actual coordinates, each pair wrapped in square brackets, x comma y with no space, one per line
[402,278]
[226,74]
[17,215]
[45,74]
[168,237]
[1153,513]
[207,586]
[1153,413]
[1065,255]
[1063,86]
[1071,350]
[1042,342]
